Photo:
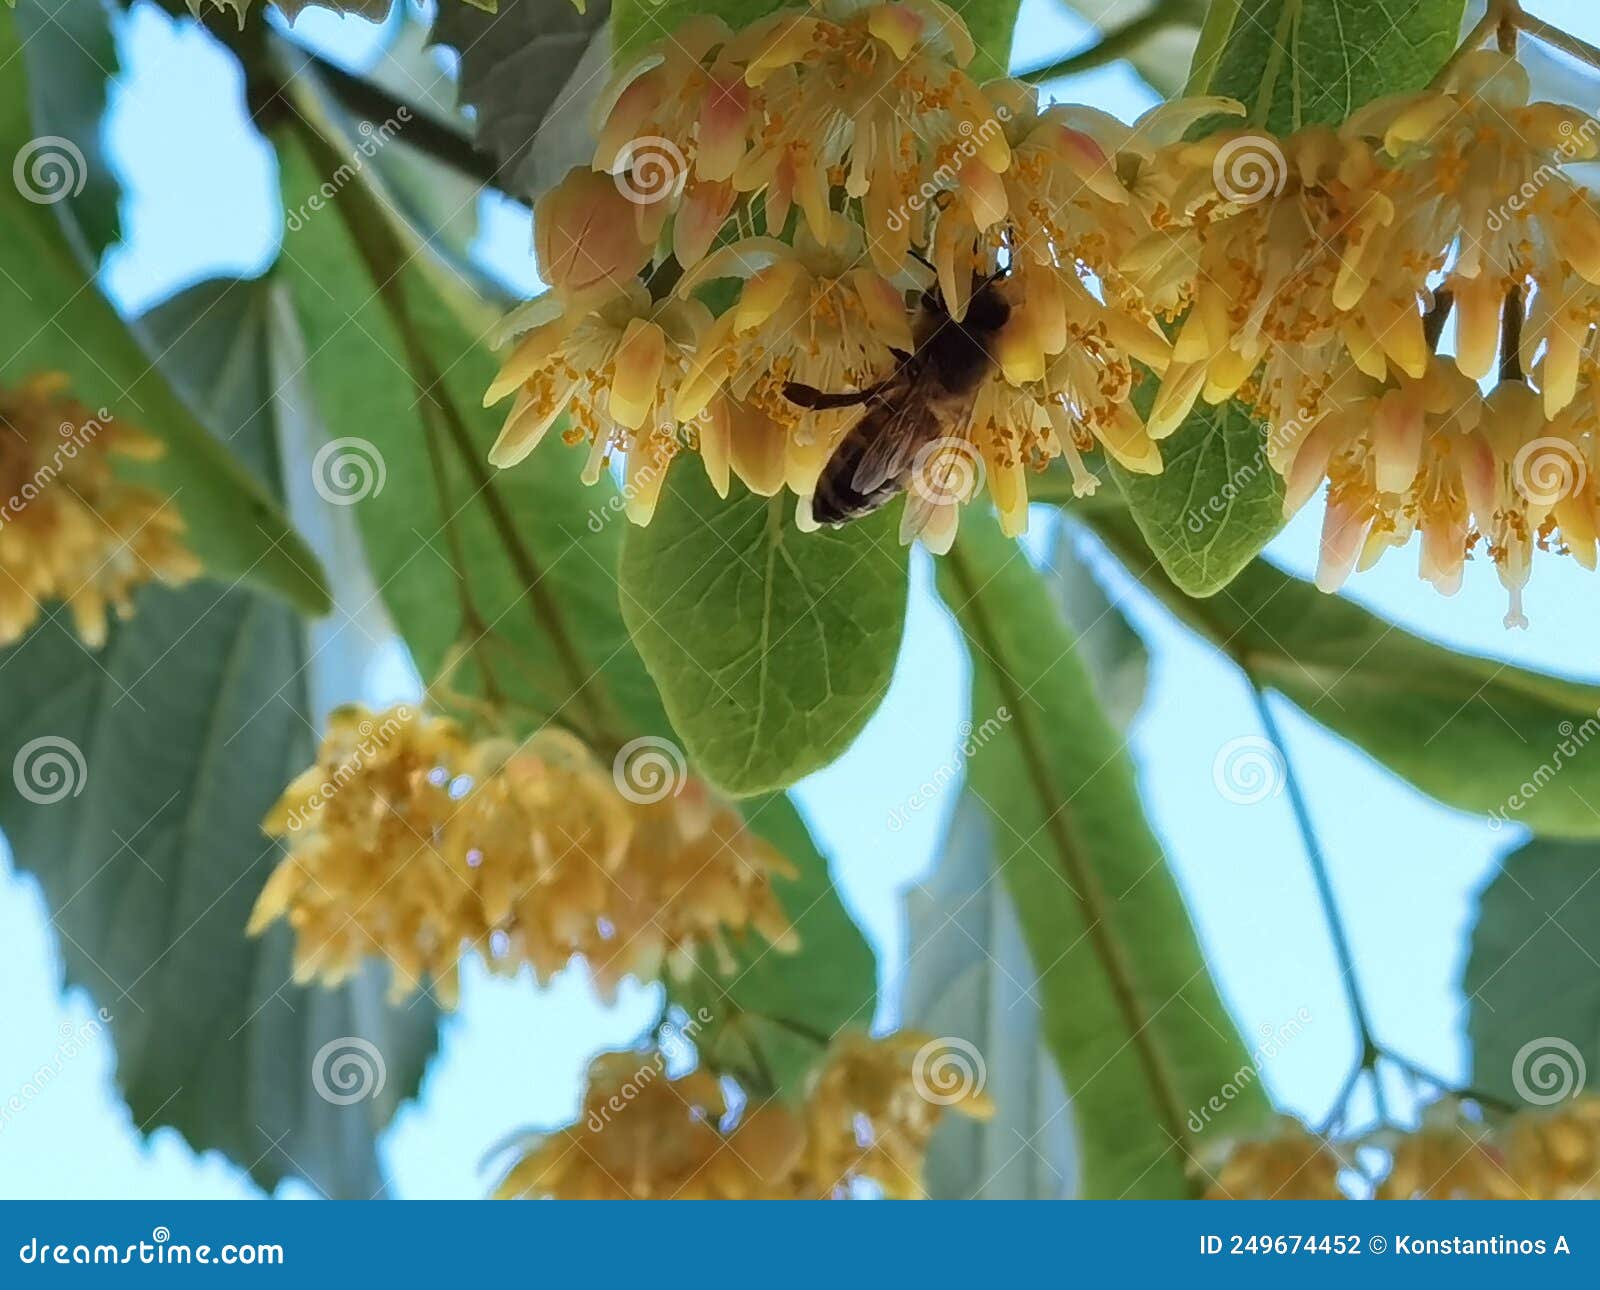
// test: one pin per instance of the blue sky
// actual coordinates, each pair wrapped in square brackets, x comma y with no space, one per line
[1405,868]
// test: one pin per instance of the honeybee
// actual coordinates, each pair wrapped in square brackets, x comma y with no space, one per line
[927,398]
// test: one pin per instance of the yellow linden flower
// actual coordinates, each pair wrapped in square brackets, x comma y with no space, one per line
[615,368]
[564,865]
[1270,248]
[1284,1163]
[645,1136]
[1449,1158]
[70,529]
[811,313]
[873,1108]
[1485,199]
[873,99]
[589,240]
[410,843]
[1400,458]
[1554,1154]
[363,876]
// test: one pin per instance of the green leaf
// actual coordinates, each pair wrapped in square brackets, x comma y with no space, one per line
[562,624]
[1411,704]
[771,647]
[174,741]
[1111,650]
[70,56]
[1533,995]
[532,72]
[55,319]
[1295,63]
[1130,1012]
[1216,502]
[967,978]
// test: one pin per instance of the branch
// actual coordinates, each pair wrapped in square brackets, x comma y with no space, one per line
[1116,43]
[422,131]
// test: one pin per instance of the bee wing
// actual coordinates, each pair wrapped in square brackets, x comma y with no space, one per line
[908,420]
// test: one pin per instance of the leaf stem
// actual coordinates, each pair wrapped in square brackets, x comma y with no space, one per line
[1370,1050]
[1082,880]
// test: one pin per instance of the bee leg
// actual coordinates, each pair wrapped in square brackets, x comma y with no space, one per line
[809,397]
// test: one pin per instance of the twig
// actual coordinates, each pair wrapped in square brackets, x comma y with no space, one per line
[422,130]
[1115,44]
[1370,1051]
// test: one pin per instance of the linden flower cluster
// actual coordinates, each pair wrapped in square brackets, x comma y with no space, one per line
[1328,275]
[867,1118]
[788,190]
[1541,1153]
[811,176]
[410,842]
[70,529]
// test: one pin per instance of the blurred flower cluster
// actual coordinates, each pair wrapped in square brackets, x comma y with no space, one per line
[766,205]
[866,1119]
[409,841]
[70,528]
[1538,1153]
